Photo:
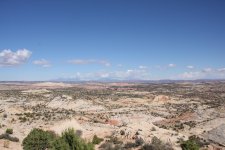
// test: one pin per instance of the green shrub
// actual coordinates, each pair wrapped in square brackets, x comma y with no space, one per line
[189,145]
[200,142]
[60,144]
[96,140]
[38,139]
[70,139]
[9,131]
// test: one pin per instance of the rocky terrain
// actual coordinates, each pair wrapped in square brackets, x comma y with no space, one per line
[172,112]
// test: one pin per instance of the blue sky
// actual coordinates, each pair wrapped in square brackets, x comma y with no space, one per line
[112,39]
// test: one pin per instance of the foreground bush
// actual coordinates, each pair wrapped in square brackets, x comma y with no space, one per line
[60,144]
[70,139]
[38,139]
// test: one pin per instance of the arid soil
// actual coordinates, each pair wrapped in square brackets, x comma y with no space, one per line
[170,111]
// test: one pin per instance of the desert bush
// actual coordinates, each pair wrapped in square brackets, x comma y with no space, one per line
[189,145]
[23,119]
[8,137]
[9,131]
[74,142]
[111,146]
[107,146]
[5,115]
[96,140]
[79,133]
[200,142]
[153,129]
[38,139]
[157,144]
[60,144]
[122,132]
[139,141]
[129,145]
[115,140]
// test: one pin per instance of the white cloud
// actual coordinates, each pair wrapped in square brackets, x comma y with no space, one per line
[143,67]
[119,65]
[158,67]
[221,70]
[190,75]
[42,62]
[130,74]
[207,73]
[10,58]
[89,61]
[172,65]
[190,67]
[207,70]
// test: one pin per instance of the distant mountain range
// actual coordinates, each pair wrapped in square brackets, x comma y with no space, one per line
[116,80]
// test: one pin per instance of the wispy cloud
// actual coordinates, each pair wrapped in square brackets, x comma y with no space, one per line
[89,61]
[119,65]
[207,70]
[171,65]
[191,75]
[221,70]
[42,62]
[143,67]
[206,73]
[10,58]
[190,67]
[129,74]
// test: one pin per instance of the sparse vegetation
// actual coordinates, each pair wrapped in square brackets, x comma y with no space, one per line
[139,141]
[5,115]
[189,145]
[74,141]
[9,131]
[8,137]
[193,143]
[39,139]
[115,108]
[157,144]
[153,129]
[96,140]
[112,144]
